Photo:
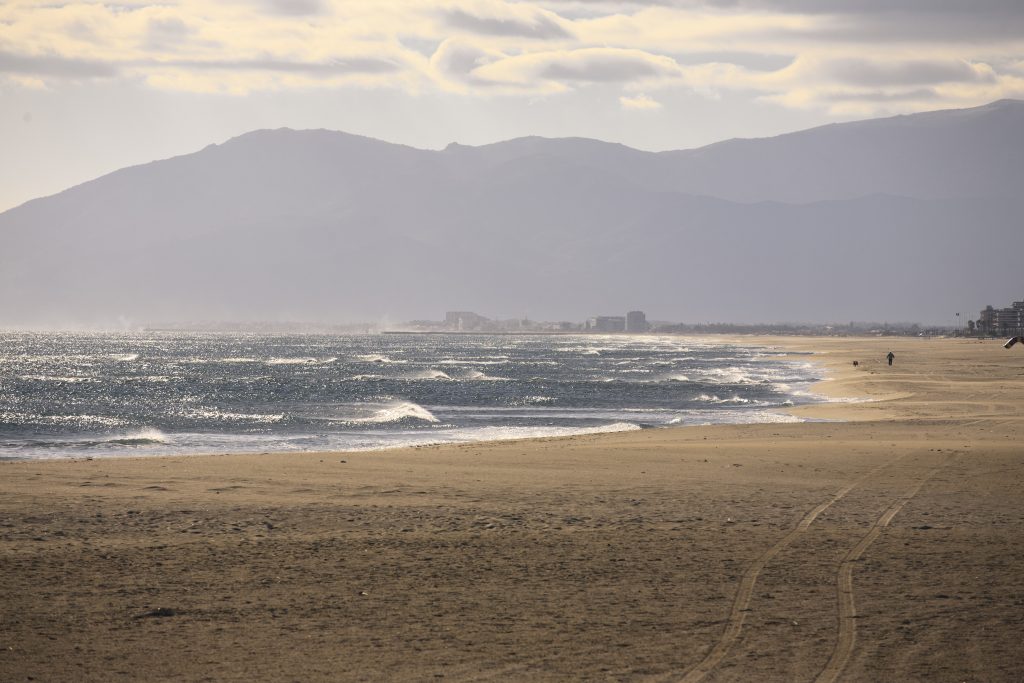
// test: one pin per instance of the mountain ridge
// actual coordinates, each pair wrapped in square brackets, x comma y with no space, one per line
[324,225]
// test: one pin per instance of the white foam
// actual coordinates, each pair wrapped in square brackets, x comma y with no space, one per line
[143,436]
[428,374]
[730,375]
[212,414]
[477,376]
[124,357]
[377,358]
[54,378]
[734,399]
[396,412]
[82,420]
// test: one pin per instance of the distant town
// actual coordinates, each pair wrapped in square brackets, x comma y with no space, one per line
[991,322]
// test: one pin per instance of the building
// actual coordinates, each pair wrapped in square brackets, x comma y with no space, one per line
[607,323]
[1003,321]
[636,321]
[464,321]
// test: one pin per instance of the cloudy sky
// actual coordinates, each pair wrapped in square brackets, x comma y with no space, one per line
[89,87]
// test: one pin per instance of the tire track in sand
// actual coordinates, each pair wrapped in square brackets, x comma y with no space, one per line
[847,636]
[741,604]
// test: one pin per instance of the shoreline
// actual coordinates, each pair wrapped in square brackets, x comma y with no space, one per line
[718,552]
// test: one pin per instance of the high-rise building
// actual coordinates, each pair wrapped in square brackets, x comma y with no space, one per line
[636,321]
[1003,321]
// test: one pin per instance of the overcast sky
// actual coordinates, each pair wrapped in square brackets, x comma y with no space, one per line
[89,87]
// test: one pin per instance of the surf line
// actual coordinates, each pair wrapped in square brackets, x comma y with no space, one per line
[740,606]
[847,636]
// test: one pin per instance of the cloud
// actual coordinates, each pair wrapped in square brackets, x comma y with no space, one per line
[55,66]
[586,65]
[862,72]
[332,67]
[794,53]
[167,32]
[455,63]
[296,8]
[641,102]
[536,25]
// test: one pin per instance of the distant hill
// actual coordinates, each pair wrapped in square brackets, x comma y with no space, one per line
[905,218]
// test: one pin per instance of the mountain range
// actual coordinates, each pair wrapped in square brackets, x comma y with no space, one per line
[909,218]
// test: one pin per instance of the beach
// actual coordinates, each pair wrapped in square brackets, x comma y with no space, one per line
[883,541]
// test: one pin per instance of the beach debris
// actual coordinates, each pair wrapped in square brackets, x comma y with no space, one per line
[856,363]
[1013,340]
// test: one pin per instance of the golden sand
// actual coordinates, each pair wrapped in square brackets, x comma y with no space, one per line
[887,547]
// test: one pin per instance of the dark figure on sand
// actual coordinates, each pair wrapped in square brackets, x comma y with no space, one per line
[890,357]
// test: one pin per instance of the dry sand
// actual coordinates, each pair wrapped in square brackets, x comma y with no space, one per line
[889,547]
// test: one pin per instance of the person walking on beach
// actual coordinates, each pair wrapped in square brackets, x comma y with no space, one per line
[890,357]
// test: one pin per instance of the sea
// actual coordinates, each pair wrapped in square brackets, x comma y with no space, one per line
[77,395]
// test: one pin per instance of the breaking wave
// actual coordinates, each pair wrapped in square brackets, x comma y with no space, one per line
[428,374]
[396,412]
[377,358]
[477,376]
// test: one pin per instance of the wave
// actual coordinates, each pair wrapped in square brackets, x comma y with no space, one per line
[456,361]
[366,378]
[142,437]
[212,414]
[731,375]
[427,374]
[538,401]
[396,412]
[734,399]
[76,420]
[292,361]
[732,416]
[124,357]
[516,433]
[477,376]
[55,378]
[377,358]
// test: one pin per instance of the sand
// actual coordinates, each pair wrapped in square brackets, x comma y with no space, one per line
[887,547]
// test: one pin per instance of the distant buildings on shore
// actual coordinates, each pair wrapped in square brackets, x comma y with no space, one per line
[468,321]
[1002,321]
[634,321]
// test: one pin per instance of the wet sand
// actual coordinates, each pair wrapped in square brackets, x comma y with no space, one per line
[888,547]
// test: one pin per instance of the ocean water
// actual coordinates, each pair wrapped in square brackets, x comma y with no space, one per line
[82,395]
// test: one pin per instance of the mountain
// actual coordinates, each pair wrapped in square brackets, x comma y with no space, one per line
[905,218]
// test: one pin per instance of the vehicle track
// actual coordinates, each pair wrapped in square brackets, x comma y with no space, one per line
[847,636]
[741,604]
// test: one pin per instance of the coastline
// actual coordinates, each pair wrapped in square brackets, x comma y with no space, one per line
[624,555]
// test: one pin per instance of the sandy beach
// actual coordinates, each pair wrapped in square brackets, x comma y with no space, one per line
[885,544]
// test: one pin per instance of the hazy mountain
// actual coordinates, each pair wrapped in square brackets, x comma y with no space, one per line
[906,218]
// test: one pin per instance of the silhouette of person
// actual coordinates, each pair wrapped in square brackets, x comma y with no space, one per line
[890,357]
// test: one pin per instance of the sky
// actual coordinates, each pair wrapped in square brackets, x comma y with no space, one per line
[90,87]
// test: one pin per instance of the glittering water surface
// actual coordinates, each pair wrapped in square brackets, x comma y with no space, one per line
[74,395]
